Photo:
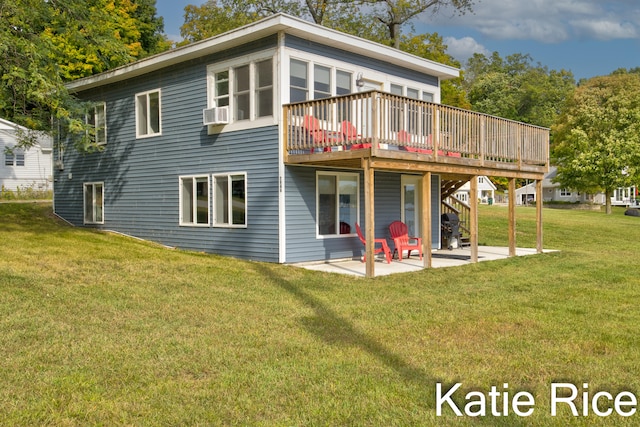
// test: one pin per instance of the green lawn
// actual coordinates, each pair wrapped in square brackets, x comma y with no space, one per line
[100,329]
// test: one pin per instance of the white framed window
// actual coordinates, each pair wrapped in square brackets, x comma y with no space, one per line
[298,80]
[263,71]
[327,81]
[93,202]
[564,192]
[344,86]
[395,89]
[321,82]
[97,119]
[246,87]
[14,157]
[344,83]
[194,200]
[337,203]
[148,114]
[221,89]
[242,93]
[230,199]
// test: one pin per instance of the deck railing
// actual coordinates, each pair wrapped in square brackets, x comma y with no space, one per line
[382,121]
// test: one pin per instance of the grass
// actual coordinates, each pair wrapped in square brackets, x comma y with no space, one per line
[25,192]
[100,329]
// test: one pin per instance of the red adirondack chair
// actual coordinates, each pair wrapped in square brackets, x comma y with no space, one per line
[402,241]
[383,245]
[319,135]
[351,135]
[405,138]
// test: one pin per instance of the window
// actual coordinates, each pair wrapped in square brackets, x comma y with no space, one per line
[343,82]
[397,110]
[94,203]
[148,120]
[13,157]
[241,93]
[97,118]
[194,200]
[221,89]
[338,203]
[246,88]
[230,200]
[565,192]
[321,82]
[413,111]
[264,88]
[343,87]
[298,81]
[426,96]
[396,90]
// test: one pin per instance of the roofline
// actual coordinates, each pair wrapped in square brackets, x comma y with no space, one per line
[13,125]
[260,29]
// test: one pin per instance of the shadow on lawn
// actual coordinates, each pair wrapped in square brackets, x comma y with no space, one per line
[339,331]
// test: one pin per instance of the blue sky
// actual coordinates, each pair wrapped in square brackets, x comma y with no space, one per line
[588,37]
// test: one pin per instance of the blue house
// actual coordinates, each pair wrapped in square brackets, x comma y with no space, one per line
[270,143]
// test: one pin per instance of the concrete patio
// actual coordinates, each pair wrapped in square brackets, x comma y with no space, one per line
[441,258]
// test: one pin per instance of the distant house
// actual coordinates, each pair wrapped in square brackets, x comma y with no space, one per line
[554,192]
[486,191]
[24,168]
[628,197]
[272,141]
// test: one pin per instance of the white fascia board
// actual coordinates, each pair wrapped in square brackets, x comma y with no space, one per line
[350,43]
[255,31]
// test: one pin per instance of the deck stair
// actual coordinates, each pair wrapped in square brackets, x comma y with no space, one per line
[451,204]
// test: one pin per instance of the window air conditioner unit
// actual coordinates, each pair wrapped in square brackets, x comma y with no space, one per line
[215,116]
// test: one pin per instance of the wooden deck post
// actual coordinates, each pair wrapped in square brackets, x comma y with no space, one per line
[425,218]
[512,217]
[473,220]
[369,218]
[539,216]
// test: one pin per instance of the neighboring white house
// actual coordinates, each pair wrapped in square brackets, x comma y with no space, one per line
[625,197]
[20,168]
[486,191]
[554,192]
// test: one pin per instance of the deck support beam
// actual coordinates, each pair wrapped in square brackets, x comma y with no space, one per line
[426,219]
[369,218]
[473,217]
[512,217]
[539,216]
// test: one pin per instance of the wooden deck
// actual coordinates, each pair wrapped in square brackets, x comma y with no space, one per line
[399,133]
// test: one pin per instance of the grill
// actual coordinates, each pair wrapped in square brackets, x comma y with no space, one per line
[450,230]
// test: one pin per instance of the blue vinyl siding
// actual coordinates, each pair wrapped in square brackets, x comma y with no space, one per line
[141,176]
[363,61]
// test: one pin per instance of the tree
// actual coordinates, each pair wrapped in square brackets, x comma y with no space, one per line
[597,138]
[431,46]
[151,27]
[516,89]
[47,43]
[393,14]
[377,20]
[215,17]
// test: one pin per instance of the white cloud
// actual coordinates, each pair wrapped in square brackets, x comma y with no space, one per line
[464,48]
[605,29]
[548,21]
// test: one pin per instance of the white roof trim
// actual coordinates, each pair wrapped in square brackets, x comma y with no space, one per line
[257,30]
